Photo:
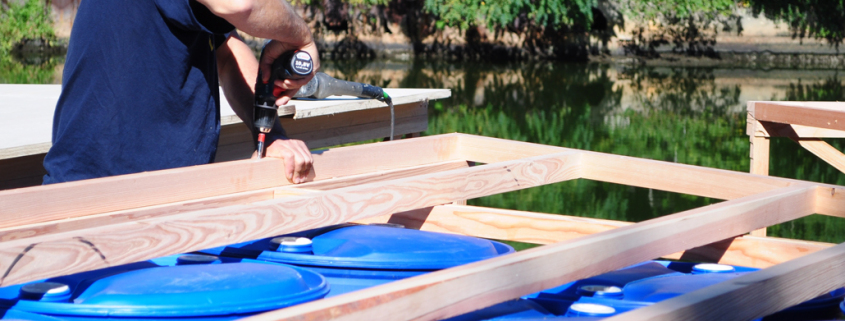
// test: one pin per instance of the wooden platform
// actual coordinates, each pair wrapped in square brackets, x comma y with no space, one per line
[67,228]
[26,118]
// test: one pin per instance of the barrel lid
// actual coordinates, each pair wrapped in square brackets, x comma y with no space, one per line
[375,247]
[178,291]
[659,288]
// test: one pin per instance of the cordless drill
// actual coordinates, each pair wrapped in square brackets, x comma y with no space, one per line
[293,65]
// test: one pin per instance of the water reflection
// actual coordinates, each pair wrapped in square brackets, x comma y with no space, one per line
[687,115]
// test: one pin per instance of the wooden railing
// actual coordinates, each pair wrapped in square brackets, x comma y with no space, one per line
[806,123]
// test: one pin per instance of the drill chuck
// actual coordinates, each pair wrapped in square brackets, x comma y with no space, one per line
[293,65]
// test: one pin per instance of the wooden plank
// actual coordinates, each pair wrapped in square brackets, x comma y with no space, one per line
[539,228]
[759,164]
[67,225]
[75,199]
[827,115]
[112,244]
[305,108]
[236,141]
[491,150]
[679,178]
[463,289]
[772,129]
[823,150]
[756,294]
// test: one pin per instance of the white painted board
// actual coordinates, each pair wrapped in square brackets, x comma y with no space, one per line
[26,113]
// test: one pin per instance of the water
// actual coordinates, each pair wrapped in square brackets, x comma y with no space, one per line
[686,115]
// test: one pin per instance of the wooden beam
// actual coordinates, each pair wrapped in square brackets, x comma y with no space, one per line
[679,178]
[491,150]
[756,294]
[827,115]
[79,223]
[823,150]
[540,228]
[759,164]
[236,141]
[76,199]
[772,129]
[112,244]
[459,290]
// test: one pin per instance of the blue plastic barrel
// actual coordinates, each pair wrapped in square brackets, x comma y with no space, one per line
[190,287]
[353,257]
[650,282]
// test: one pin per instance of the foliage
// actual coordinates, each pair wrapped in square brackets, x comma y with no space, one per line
[691,25]
[498,14]
[30,20]
[823,19]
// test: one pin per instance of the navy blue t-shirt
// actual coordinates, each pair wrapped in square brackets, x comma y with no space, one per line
[139,89]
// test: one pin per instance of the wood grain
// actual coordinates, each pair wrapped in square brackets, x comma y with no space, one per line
[679,178]
[540,228]
[36,257]
[67,225]
[823,150]
[756,294]
[75,199]
[463,289]
[829,115]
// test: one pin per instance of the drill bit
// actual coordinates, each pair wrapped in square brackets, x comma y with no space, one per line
[260,145]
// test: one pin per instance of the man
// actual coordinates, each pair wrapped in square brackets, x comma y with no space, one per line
[140,84]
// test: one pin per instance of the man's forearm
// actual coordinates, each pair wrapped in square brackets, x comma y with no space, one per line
[264,19]
[238,70]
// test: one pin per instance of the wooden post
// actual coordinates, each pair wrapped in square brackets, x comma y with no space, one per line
[759,164]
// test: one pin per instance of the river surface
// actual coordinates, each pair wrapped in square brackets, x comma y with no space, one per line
[686,115]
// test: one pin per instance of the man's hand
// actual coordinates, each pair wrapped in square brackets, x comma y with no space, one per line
[296,156]
[273,50]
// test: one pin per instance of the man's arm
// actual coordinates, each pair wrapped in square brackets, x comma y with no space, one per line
[271,19]
[238,70]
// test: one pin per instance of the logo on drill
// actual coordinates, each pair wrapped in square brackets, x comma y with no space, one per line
[302,63]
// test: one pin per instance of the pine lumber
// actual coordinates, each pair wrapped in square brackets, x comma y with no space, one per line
[67,225]
[236,140]
[64,253]
[823,150]
[679,178]
[756,294]
[76,199]
[829,115]
[463,289]
[541,228]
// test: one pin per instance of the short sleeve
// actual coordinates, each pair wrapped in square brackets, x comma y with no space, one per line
[192,15]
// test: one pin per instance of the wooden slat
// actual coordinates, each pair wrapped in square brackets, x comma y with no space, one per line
[759,164]
[824,151]
[305,108]
[540,228]
[679,178]
[772,129]
[463,289]
[112,244]
[490,150]
[75,199]
[67,225]
[756,294]
[827,115]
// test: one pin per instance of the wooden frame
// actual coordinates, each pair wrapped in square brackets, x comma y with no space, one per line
[803,122]
[93,224]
